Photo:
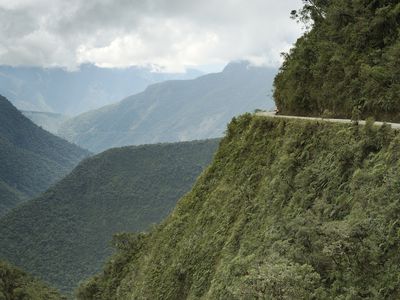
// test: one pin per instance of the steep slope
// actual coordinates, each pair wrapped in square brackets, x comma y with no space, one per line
[175,110]
[73,92]
[289,209]
[16,284]
[347,65]
[31,159]
[64,235]
[48,121]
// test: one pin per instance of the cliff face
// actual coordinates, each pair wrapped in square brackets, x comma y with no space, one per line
[287,210]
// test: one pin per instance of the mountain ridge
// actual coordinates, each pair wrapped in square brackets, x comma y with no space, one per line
[64,235]
[174,111]
[32,159]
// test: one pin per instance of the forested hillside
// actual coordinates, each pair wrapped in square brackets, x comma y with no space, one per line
[347,65]
[289,209]
[172,111]
[17,285]
[31,158]
[65,235]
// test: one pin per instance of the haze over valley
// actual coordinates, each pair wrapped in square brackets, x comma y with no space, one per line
[71,92]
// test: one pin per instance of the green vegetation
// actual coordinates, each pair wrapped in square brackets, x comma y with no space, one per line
[172,111]
[347,64]
[64,235]
[17,285]
[31,159]
[289,209]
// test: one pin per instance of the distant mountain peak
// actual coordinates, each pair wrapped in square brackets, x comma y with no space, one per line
[175,110]
[236,66]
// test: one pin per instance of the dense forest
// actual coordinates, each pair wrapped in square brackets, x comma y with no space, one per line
[17,285]
[64,235]
[289,209]
[31,158]
[347,64]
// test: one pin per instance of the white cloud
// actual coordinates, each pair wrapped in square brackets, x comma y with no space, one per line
[172,34]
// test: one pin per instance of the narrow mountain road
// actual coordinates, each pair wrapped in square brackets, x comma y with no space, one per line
[346,121]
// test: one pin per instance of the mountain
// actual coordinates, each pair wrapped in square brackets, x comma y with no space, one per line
[64,235]
[16,284]
[31,158]
[347,65]
[48,121]
[73,92]
[174,110]
[289,209]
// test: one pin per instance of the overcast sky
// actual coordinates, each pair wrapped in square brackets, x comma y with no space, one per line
[171,34]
